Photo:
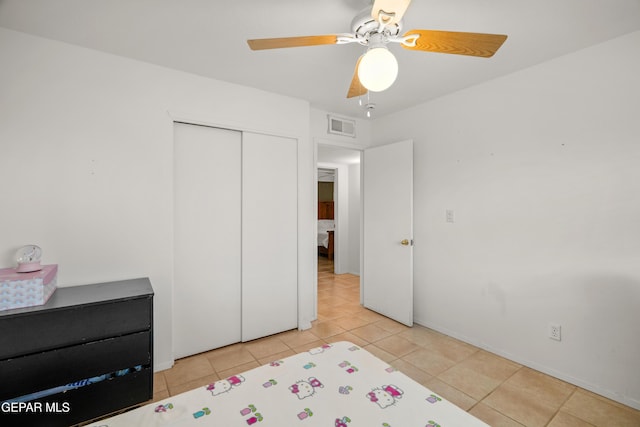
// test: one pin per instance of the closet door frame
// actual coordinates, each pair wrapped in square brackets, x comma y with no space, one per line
[305,304]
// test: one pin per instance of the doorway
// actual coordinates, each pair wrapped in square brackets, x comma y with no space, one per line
[341,167]
[385,232]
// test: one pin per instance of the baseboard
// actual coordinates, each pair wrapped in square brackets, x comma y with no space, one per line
[303,326]
[162,366]
[609,394]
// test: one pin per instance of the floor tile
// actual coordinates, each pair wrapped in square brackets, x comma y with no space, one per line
[521,406]
[604,399]
[159,383]
[161,395]
[429,361]
[412,371]
[397,345]
[599,412]
[333,300]
[380,353]
[370,333]
[188,369]
[563,419]
[326,329]
[422,336]
[190,385]
[452,394]
[350,322]
[391,326]
[297,338]
[277,356]
[265,347]
[540,386]
[452,349]
[237,370]
[469,381]
[479,374]
[326,313]
[370,316]
[228,357]
[353,306]
[308,346]
[347,336]
[493,417]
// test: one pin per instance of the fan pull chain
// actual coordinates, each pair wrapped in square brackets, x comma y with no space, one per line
[370,106]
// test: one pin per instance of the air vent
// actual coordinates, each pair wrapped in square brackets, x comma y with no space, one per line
[339,126]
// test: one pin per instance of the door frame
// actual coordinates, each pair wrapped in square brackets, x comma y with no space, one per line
[339,172]
[307,273]
[352,147]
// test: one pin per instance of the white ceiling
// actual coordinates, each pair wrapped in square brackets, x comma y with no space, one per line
[208,37]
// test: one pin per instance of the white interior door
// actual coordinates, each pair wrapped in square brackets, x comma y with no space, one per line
[207,252]
[387,274]
[269,235]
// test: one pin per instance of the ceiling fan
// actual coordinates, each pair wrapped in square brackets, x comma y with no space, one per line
[377,69]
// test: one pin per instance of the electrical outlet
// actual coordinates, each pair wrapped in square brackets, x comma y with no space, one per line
[449,213]
[555,331]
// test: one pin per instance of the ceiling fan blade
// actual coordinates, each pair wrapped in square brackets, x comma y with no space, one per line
[356,88]
[277,43]
[392,10]
[473,44]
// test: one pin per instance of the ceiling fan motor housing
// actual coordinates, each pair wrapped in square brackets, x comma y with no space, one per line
[363,25]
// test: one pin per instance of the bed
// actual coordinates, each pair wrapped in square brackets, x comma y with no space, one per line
[326,229]
[336,385]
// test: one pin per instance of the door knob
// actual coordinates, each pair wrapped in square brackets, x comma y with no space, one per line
[404,242]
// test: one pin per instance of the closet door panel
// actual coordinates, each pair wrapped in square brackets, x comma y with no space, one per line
[207,221]
[269,235]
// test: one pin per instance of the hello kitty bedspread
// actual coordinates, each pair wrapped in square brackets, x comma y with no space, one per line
[337,385]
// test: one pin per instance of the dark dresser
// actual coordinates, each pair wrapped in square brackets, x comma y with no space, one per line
[100,335]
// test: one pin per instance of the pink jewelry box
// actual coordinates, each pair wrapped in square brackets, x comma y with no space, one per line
[19,290]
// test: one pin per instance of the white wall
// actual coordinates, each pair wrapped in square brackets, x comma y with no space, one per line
[542,171]
[86,146]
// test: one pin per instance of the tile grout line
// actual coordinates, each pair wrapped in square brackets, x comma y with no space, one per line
[555,414]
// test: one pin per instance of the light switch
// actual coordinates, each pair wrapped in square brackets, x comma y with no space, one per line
[449,215]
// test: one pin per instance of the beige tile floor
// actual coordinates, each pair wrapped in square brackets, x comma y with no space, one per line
[494,389]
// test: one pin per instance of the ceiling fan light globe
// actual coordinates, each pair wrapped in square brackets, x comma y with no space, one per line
[378,69]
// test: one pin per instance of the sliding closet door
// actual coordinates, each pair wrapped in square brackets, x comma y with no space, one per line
[269,235]
[207,221]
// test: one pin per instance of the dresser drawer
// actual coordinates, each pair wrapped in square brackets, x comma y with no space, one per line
[67,365]
[44,330]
